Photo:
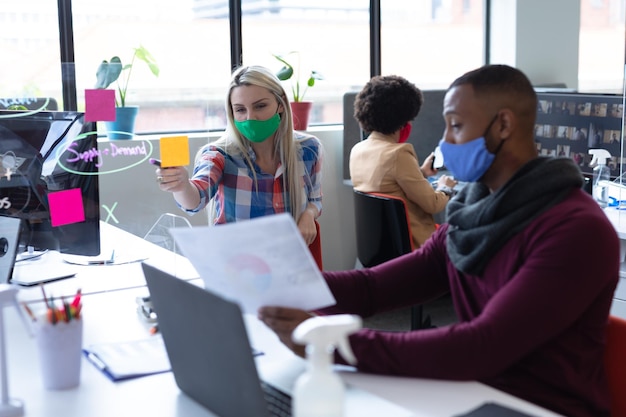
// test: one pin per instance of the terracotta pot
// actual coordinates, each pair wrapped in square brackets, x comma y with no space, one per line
[301,111]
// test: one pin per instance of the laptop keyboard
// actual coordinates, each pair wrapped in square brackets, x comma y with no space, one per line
[278,402]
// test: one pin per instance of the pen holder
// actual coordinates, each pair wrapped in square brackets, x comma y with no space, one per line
[60,353]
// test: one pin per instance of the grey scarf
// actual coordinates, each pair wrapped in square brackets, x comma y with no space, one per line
[480,222]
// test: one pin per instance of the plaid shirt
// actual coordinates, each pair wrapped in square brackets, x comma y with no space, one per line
[230,180]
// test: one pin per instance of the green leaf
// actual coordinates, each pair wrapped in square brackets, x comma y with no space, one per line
[17,107]
[108,72]
[143,55]
[316,75]
[288,71]
[284,73]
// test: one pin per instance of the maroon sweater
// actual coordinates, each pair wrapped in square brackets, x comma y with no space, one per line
[533,325]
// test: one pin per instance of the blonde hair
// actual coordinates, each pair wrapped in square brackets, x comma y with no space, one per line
[285,145]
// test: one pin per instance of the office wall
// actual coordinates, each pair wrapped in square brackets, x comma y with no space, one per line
[130,198]
[539,37]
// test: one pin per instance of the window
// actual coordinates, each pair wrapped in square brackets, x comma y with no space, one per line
[329,36]
[430,42]
[30,50]
[192,53]
[601,48]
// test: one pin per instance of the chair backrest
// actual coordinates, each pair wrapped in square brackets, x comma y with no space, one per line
[159,232]
[382,227]
[615,364]
[316,248]
[42,103]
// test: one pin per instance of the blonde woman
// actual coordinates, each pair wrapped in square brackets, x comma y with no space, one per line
[261,166]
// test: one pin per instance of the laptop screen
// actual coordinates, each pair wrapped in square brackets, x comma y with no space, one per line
[9,240]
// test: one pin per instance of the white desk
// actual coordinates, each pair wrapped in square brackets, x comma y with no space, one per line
[101,278]
[111,316]
[618,218]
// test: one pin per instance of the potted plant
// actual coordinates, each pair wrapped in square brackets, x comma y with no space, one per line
[109,72]
[299,107]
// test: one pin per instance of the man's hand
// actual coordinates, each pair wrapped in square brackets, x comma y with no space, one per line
[283,322]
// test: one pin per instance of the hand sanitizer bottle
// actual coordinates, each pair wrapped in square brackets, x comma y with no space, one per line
[319,392]
[601,176]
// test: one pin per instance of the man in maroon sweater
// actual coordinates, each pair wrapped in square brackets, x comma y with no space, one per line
[530,260]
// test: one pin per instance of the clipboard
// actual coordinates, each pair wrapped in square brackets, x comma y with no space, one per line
[132,359]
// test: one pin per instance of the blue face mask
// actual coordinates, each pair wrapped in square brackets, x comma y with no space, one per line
[470,160]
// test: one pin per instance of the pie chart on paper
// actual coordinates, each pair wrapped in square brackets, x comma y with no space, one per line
[249,272]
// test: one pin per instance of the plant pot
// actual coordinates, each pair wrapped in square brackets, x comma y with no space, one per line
[124,125]
[300,111]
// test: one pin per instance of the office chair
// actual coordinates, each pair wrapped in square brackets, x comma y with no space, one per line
[42,103]
[615,364]
[383,233]
[159,234]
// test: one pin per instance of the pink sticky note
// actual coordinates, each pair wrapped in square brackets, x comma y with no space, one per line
[99,105]
[66,207]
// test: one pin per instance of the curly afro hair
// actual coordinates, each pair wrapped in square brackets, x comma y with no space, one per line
[386,103]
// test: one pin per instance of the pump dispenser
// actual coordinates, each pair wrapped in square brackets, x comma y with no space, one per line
[601,176]
[320,392]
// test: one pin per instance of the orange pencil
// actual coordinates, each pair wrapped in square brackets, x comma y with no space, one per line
[45,298]
[29,312]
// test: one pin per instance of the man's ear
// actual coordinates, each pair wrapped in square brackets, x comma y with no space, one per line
[508,123]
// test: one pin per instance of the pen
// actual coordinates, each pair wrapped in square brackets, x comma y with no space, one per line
[155,161]
[109,261]
[52,312]
[76,300]
[76,305]
[101,262]
[93,358]
[45,298]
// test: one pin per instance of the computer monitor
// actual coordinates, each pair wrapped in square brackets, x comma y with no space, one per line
[570,124]
[42,152]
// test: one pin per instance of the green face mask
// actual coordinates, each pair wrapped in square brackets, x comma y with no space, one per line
[258,130]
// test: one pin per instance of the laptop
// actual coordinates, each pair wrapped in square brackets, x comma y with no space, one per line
[41,267]
[213,361]
[9,241]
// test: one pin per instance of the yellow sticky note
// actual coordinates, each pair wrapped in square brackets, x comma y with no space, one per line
[174,151]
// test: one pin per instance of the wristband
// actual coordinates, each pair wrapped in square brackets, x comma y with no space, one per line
[447,191]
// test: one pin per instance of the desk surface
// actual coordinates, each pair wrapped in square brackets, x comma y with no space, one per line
[101,278]
[110,316]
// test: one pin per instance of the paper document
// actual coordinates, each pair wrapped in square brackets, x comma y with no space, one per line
[130,359]
[258,262]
